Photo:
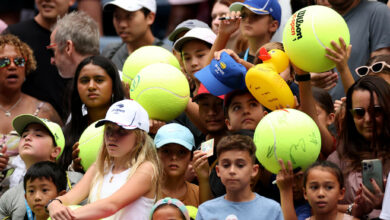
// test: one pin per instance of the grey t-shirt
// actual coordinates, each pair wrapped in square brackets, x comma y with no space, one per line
[369,29]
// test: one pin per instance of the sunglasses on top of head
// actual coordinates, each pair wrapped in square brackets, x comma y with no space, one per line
[6,61]
[361,112]
[376,68]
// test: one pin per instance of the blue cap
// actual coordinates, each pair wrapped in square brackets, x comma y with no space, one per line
[176,134]
[260,7]
[222,76]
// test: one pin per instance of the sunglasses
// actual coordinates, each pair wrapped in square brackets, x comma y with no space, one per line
[376,67]
[50,49]
[359,113]
[6,61]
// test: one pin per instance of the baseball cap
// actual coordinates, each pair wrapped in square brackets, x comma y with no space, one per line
[186,26]
[203,91]
[22,121]
[171,201]
[203,34]
[128,114]
[174,133]
[131,5]
[223,75]
[260,7]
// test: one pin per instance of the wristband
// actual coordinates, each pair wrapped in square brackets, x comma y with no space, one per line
[302,78]
[349,209]
[50,201]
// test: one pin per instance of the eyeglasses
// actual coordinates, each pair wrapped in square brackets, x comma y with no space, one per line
[6,61]
[376,67]
[360,112]
[50,49]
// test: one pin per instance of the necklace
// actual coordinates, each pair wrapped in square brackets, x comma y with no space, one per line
[8,111]
[112,177]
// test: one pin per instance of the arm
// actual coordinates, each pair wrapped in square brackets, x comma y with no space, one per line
[201,166]
[141,181]
[284,181]
[308,106]
[192,112]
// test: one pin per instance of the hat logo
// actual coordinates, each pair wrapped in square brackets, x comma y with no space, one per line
[223,65]
[120,106]
[135,83]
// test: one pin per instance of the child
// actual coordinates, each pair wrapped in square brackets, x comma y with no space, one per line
[236,168]
[123,183]
[174,144]
[169,208]
[43,182]
[40,140]
[323,184]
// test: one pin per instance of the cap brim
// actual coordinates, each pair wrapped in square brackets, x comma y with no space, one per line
[104,121]
[21,122]
[174,141]
[237,6]
[212,84]
[179,43]
[172,36]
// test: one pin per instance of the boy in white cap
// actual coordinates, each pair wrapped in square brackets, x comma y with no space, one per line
[175,144]
[132,20]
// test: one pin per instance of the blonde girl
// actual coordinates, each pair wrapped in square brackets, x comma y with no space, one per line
[123,183]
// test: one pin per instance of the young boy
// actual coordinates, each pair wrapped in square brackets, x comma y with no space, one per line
[41,140]
[174,144]
[43,182]
[236,168]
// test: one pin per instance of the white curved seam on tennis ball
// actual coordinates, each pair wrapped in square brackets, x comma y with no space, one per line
[314,31]
[90,138]
[273,131]
[179,96]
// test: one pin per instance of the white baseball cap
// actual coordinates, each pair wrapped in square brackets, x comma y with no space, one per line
[128,114]
[203,34]
[132,5]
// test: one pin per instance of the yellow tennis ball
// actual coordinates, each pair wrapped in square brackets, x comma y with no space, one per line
[287,134]
[145,56]
[90,142]
[162,90]
[308,32]
[192,211]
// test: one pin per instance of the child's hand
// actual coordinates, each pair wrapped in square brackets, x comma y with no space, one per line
[339,54]
[76,159]
[3,158]
[325,80]
[201,164]
[217,55]
[338,104]
[59,211]
[285,177]
[154,125]
[229,26]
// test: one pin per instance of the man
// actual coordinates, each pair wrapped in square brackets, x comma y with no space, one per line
[132,21]
[44,83]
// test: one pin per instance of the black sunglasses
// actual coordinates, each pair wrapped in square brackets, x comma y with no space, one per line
[6,61]
[376,67]
[50,49]
[360,112]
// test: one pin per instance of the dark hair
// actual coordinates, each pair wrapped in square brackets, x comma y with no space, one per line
[325,165]
[354,147]
[48,170]
[378,58]
[145,11]
[323,99]
[237,142]
[229,97]
[78,123]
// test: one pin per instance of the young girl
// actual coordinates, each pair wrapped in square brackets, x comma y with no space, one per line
[323,184]
[123,184]
[169,208]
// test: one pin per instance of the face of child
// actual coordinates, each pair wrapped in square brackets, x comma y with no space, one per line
[323,117]
[119,142]
[194,55]
[322,191]
[364,125]
[256,26]
[94,86]
[244,112]
[167,213]
[175,159]
[38,193]
[211,113]
[236,169]
[36,144]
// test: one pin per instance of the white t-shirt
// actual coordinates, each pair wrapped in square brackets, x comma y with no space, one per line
[385,214]
[139,209]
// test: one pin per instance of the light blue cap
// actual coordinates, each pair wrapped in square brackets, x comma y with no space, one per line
[174,133]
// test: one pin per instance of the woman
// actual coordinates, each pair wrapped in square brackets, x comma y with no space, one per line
[16,61]
[96,85]
[365,135]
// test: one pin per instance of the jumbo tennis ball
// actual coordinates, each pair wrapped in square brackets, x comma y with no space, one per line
[192,211]
[308,32]
[90,142]
[162,90]
[145,56]
[287,134]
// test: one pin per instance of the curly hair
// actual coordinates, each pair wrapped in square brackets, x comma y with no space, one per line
[23,48]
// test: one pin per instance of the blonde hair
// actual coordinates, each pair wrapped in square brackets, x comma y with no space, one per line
[143,150]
